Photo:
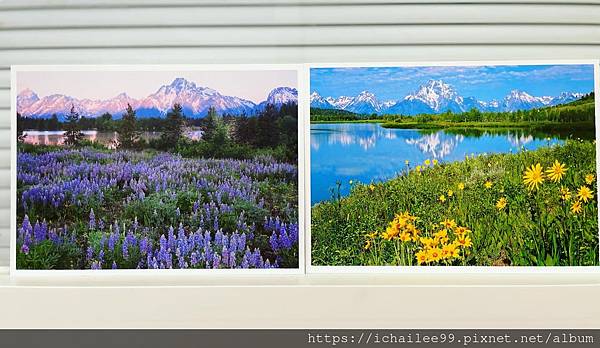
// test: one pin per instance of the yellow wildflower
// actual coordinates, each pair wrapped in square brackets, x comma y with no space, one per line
[405,237]
[584,194]
[418,168]
[434,254]
[589,179]
[576,208]
[461,186]
[427,162]
[565,193]
[428,242]
[367,244]
[461,231]
[435,162]
[450,251]
[501,203]
[465,241]
[372,187]
[450,193]
[442,198]
[488,184]
[556,171]
[447,223]
[533,177]
[371,235]
[421,256]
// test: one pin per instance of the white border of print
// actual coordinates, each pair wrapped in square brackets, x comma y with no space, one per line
[440,269]
[146,273]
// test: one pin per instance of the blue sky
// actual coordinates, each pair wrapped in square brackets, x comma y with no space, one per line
[482,82]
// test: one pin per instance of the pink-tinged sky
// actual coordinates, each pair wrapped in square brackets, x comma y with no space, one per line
[97,85]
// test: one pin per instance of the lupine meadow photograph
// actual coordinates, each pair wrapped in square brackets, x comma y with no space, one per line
[157,170]
[453,166]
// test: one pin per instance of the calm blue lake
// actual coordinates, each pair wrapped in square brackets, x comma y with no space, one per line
[367,152]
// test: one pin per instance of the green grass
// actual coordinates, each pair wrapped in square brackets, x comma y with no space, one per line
[536,228]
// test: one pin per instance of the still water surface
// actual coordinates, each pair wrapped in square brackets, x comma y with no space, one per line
[367,152]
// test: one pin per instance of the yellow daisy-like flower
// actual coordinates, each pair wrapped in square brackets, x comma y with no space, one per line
[556,171]
[427,162]
[589,179]
[461,186]
[435,162]
[367,245]
[447,223]
[371,235]
[428,242]
[576,207]
[372,187]
[450,251]
[465,241]
[418,168]
[405,237]
[461,231]
[584,194]
[533,177]
[501,203]
[488,184]
[450,193]
[442,198]
[434,254]
[565,193]
[421,256]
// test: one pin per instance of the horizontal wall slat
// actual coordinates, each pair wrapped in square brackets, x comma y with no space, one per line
[4,218]
[95,4]
[4,78]
[5,97]
[4,118]
[290,36]
[4,256]
[5,178]
[200,55]
[5,160]
[4,239]
[301,15]
[4,143]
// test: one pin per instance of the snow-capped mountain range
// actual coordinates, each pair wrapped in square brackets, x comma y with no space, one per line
[194,99]
[435,97]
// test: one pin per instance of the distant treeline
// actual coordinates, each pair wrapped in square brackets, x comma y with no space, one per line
[581,110]
[273,131]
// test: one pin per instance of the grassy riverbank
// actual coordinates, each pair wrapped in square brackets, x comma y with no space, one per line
[479,211]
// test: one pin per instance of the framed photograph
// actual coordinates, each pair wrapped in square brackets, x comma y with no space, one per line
[157,169]
[462,166]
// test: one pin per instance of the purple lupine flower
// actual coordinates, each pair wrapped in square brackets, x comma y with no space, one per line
[114,265]
[92,224]
[95,265]
[25,249]
[194,259]
[216,260]
[241,242]
[112,240]
[125,248]
[245,261]
[274,241]
[89,253]
[225,256]
[101,225]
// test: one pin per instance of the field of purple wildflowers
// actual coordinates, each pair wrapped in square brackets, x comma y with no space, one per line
[88,208]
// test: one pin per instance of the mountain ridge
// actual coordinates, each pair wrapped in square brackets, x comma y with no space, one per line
[436,96]
[195,101]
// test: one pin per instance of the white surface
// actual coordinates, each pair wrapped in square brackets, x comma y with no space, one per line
[181,32]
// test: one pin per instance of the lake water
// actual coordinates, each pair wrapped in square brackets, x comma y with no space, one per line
[367,152]
[105,138]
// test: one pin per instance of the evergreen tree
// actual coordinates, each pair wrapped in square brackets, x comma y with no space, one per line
[129,136]
[20,129]
[73,134]
[173,127]
[214,130]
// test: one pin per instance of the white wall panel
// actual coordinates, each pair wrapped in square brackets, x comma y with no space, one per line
[160,32]
[299,36]
[358,14]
